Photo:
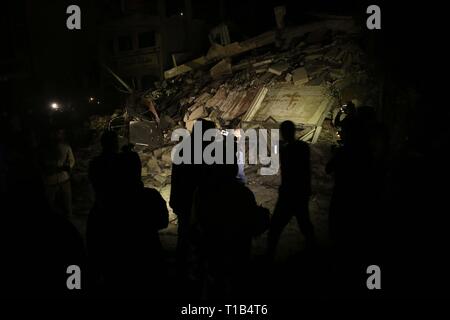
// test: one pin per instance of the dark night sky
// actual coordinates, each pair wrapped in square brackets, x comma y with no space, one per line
[63,60]
[63,57]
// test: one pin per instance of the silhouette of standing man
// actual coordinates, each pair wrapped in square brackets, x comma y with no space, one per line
[295,188]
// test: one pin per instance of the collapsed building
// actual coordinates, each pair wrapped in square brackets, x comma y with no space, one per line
[300,73]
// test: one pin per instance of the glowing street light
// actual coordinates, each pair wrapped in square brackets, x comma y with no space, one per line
[54,106]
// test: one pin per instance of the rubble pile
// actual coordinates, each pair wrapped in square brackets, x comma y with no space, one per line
[229,86]
[224,91]
[156,166]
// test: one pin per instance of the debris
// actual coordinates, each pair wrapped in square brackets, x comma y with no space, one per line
[304,105]
[318,61]
[300,76]
[288,77]
[153,167]
[317,36]
[221,68]
[262,63]
[185,67]
[145,133]
[313,57]
[256,103]
[161,179]
[166,157]
[166,122]
[336,73]
[218,51]
[279,68]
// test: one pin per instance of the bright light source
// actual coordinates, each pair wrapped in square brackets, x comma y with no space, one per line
[91,99]
[181,13]
[54,106]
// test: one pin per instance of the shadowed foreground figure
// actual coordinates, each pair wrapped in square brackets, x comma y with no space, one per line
[184,180]
[357,170]
[38,244]
[103,171]
[124,232]
[224,219]
[357,218]
[295,189]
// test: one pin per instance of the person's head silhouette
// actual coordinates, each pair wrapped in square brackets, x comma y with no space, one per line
[287,129]
[110,142]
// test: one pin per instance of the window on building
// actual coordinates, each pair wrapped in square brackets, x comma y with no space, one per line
[125,43]
[147,39]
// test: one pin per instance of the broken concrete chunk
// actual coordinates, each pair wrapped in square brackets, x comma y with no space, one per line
[190,125]
[160,179]
[199,112]
[261,63]
[166,122]
[165,173]
[217,51]
[288,77]
[337,73]
[157,153]
[153,166]
[313,57]
[278,68]
[166,157]
[223,67]
[300,76]
[318,80]
[342,83]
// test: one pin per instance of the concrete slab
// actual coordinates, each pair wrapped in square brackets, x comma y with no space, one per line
[300,76]
[304,105]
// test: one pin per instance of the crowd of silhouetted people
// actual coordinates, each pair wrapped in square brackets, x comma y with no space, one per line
[217,218]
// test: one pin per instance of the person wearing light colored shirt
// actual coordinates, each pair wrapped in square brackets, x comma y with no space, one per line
[58,162]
